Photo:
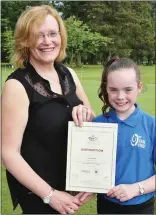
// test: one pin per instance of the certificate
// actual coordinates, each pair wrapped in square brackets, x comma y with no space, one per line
[91,157]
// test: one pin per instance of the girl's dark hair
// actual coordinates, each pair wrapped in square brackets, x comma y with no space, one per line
[113,65]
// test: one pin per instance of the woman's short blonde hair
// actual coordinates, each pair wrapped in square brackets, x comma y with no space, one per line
[26,32]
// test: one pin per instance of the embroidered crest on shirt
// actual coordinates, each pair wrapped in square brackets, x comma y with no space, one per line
[137,141]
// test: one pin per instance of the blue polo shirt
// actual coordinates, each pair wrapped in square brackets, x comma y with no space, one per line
[136,150]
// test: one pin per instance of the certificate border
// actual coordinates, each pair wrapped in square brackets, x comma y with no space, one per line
[112,181]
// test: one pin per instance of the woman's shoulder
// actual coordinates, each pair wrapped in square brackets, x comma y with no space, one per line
[73,73]
[69,71]
[18,74]
[18,81]
[14,93]
[65,71]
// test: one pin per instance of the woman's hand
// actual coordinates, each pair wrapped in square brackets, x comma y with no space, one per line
[84,197]
[124,192]
[82,114]
[64,203]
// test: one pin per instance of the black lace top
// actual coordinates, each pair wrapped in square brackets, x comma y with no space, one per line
[44,144]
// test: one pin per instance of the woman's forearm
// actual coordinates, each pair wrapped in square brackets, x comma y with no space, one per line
[20,169]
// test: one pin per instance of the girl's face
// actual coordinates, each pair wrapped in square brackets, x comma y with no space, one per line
[49,43]
[122,89]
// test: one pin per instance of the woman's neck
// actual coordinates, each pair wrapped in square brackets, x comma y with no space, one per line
[41,67]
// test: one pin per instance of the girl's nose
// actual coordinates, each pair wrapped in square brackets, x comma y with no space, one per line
[121,95]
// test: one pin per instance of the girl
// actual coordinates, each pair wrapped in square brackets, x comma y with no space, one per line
[134,188]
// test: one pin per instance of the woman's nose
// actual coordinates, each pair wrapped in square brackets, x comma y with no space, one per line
[47,39]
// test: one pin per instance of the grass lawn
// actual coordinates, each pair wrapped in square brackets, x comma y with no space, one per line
[90,78]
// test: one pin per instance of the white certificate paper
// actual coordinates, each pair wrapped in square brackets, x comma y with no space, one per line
[91,157]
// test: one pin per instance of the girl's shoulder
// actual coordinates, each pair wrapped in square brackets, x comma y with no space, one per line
[148,121]
[101,118]
[148,117]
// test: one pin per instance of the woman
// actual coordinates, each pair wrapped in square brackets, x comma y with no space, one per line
[37,104]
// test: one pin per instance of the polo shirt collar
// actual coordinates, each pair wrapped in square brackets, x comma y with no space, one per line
[132,120]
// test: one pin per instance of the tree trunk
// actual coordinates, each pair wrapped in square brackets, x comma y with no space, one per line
[72,57]
[78,60]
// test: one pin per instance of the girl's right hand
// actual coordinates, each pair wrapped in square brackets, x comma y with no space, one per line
[64,203]
[82,113]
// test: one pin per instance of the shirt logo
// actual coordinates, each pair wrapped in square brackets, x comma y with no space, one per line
[137,141]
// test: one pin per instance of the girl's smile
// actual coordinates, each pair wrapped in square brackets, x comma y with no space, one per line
[122,89]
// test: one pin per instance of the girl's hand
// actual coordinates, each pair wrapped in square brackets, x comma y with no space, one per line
[84,197]
[124,192]
[82,114]
[64,203]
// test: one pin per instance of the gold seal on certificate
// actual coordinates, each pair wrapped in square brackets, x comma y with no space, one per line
[91,157]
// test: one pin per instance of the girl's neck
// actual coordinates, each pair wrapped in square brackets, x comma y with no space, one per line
[125,115]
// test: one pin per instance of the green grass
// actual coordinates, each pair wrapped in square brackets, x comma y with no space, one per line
[90,78]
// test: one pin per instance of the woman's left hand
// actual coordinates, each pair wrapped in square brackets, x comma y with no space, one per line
[82,114]
[124,192]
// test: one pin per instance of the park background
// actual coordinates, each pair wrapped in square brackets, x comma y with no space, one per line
[98,30]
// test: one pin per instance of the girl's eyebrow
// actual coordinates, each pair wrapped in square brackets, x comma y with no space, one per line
[113,88]
[129,87]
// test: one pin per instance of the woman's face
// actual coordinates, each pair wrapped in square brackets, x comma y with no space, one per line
[49,43]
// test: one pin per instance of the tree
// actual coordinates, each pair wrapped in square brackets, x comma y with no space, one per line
[142,40]
[129,26]
[127,23]
[73,8]
[8,40]
[81,41]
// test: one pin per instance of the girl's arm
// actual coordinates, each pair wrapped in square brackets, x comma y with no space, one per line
[125,192]
[149,184]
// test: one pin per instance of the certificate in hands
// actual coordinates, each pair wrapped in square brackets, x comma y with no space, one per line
[91,157]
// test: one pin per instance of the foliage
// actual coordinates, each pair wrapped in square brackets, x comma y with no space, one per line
[127,28]
[81,41]
[130,24]
[8,40]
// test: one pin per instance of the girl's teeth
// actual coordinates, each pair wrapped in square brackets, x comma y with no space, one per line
[120,104]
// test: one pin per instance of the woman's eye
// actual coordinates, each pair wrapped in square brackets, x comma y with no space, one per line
[53,34]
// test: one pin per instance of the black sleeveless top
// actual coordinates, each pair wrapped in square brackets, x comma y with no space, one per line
[44,145]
